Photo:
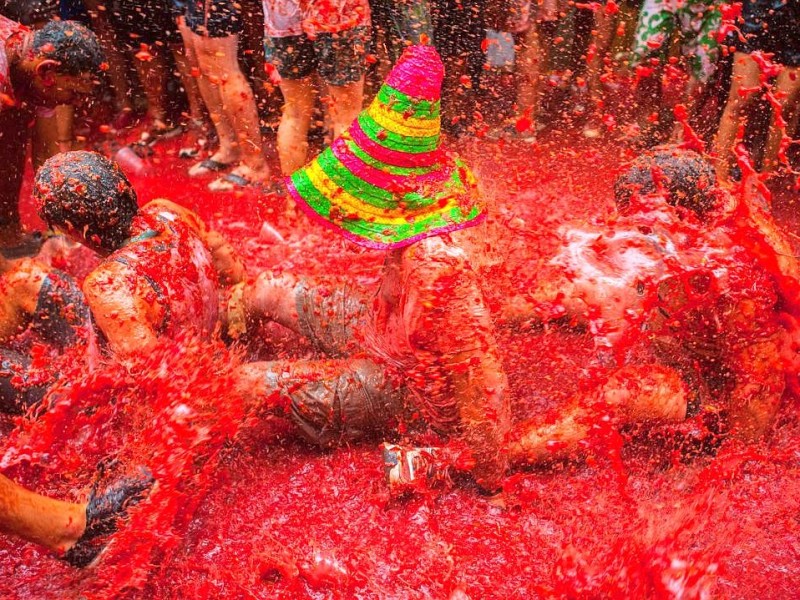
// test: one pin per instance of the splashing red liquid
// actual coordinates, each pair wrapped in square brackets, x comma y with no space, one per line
[245,509]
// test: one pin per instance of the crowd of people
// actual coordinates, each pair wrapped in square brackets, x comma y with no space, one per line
[698,317]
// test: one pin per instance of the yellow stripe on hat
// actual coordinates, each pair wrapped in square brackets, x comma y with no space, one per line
[349,204]
[394,121]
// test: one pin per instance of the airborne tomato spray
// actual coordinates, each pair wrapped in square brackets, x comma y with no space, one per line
[244,509]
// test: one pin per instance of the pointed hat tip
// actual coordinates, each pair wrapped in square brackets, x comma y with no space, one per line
[418,73]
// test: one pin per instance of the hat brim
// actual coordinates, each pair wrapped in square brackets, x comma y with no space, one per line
[331,192]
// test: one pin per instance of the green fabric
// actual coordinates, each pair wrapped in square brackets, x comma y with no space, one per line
[396,141]
[400,102]
[382,166]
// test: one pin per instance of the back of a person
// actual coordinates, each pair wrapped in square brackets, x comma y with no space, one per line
[429,312]
[177,267]
[705,314]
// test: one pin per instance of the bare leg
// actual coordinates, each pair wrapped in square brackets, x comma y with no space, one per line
[604,26]
[189,71]
[346,103]
[745,76]
[692,92]
[633,394]
[52,523]
[209,84]
[153,75]
[116,61]
[529,73]
[186,60]
[219,63]
[787,91]
[299,96]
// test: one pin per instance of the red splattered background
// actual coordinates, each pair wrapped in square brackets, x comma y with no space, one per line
[244,509]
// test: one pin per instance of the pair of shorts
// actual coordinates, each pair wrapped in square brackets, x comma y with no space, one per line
[339,58]
[771,26]
[143,22]
[339,398]
[337,401]
[214,18]
[16,394]
[699,22]
[458,27]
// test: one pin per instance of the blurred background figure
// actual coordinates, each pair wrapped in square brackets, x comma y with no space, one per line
[40,70]
[320,40]
[698,23]
[772,28]
[211,34]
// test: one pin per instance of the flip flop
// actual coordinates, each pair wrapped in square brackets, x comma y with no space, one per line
[234,181]
[188,153]
[209,165]
[102,513]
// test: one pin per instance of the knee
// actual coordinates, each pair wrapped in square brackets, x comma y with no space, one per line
[266,294]
[248,378]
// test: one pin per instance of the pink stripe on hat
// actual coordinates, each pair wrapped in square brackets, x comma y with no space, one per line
[418,73]
[389,156]
[383,179]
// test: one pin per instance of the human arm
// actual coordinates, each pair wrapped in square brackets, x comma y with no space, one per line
[124,308]
[19,293]
[551,299]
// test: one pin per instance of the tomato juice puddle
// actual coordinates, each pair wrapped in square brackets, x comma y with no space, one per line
[243,509]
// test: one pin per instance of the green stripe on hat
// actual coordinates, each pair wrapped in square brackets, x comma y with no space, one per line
[309,192]
[400,102]
[341,176]
[390,233]
[382,166]
[396,141]
[368,193]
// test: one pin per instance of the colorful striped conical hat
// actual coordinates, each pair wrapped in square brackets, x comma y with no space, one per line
[386,182]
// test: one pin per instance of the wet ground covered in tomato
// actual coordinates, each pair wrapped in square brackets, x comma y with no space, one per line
[243,509]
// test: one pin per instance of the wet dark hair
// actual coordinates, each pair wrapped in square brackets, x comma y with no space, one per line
[686,176]
[73,45]
[90,194]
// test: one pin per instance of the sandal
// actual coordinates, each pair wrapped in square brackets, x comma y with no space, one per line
[102,513]
[209,165]
[188,152]
[197,139]
[235,181]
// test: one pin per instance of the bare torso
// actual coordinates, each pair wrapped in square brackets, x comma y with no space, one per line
[162,283]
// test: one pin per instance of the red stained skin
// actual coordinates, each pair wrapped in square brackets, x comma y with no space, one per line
[253,519]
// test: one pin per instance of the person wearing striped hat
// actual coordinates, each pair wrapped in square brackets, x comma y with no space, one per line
[423,349]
